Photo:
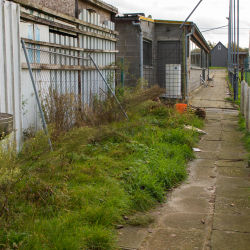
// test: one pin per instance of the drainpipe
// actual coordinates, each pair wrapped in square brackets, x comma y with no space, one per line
[141,48]
[187,79]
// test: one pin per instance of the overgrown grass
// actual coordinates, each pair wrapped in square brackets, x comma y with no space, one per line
[73,198]
[218,68]
[231,98]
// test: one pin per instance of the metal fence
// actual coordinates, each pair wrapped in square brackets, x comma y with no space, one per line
[67,73]
[165,68]
[246,71]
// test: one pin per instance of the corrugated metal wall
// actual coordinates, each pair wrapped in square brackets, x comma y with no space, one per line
[10,66]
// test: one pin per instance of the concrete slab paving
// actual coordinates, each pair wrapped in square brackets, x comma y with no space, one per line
[132,237]
[232,222]
[233,171]
[232,163]
[232,205]
[165,239]
[185,221]
[223,240]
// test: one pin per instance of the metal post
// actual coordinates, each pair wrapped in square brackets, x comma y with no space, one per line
[229,36]
[235,84]
[190,14]
[36,94]
[122,73]
[238,42]
[234,37]
[108,87]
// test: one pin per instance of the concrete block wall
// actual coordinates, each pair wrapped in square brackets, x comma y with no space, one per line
[150,72]
[129,49]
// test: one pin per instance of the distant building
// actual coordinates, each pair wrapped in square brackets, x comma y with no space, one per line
[219,56]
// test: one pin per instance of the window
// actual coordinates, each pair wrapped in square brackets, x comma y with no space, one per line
[195,55]
[147,53]
[219,47]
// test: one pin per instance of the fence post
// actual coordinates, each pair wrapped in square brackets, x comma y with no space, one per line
[108,87]
[235,84]
[242,97]
[36,94]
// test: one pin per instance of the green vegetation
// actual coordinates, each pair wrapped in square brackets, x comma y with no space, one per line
[74,197]
[218,68]
[231,98]
[242,121]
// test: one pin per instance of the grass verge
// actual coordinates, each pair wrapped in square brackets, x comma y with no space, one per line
[74,197]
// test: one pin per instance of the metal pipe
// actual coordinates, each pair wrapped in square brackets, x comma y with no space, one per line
[238,42]
[57,53]
[186,66]
[234,37]
[108,87]
[122,73]
[141,48]
[190,14]
[36,94]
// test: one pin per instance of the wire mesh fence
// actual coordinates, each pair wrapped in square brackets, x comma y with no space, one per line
[70,86]
[164,68]
[67,73]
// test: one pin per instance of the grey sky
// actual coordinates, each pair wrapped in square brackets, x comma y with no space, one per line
[209,14]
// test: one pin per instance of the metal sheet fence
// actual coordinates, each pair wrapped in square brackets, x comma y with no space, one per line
[67,73]
[246,70]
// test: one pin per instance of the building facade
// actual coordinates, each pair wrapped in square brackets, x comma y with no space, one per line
[163,59]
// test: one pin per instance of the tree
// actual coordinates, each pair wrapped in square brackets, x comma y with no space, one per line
[236,48]
[211,44]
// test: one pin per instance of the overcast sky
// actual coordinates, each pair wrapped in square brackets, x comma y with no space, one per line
[209,14]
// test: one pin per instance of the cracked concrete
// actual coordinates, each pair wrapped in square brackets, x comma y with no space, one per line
[212,209]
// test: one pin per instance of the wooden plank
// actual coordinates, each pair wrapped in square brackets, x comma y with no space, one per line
[200,41]
[68,47]
[40,20]
[60,16]
[63,67]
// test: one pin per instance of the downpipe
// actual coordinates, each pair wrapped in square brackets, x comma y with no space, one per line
[186,66]
[141,47]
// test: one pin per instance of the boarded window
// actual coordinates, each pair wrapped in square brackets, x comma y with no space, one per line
[147,53]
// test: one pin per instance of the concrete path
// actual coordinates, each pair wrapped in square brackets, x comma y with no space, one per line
[212,209]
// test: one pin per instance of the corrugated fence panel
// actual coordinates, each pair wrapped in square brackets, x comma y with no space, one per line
[10,65]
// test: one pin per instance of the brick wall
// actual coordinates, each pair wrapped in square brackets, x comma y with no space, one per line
[64,6]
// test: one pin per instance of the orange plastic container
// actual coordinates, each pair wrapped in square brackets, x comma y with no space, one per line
[181,107]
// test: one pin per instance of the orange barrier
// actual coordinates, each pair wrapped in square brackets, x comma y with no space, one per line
[181,107]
